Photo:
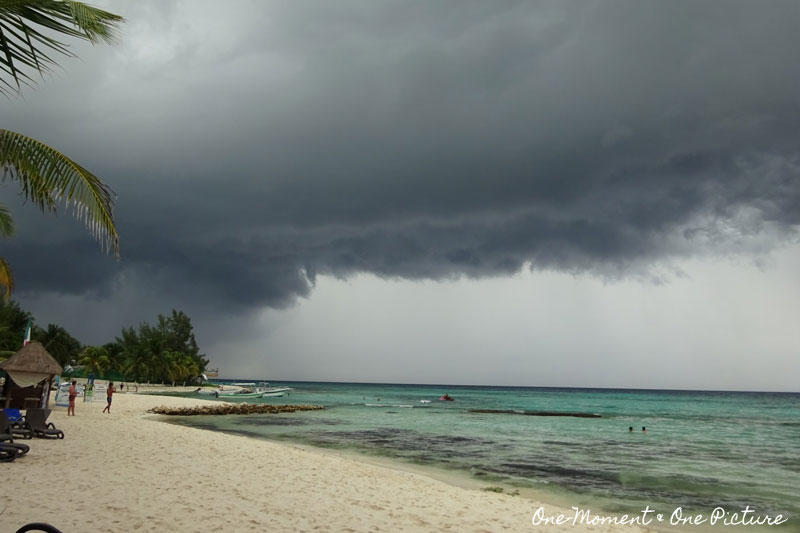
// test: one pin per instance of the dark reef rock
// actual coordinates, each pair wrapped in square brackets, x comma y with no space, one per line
[232,409]
[533,413]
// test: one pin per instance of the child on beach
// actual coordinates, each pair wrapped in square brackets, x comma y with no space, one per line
[110,390]
[72,394]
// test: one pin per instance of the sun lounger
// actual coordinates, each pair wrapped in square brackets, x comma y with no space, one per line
[8,453]
[36,420]
[7,438]
[18,429]
[21,449]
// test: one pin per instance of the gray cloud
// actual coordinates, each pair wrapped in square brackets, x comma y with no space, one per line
[255,149]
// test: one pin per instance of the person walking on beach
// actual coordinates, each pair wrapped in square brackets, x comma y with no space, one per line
[110,390]
[72,394]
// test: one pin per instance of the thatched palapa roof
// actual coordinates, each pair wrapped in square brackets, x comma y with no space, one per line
[32,358]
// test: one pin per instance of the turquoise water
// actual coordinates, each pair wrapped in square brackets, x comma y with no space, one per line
[701,449]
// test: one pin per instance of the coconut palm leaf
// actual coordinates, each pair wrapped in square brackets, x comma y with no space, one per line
[49,177]
[27,35]
[6,279]
[6,222]
[26,27]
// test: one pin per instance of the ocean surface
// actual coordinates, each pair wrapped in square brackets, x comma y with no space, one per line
[700,450]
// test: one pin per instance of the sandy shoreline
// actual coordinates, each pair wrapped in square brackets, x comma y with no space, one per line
[130,472]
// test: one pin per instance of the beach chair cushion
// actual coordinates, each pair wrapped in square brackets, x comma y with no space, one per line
[14,415]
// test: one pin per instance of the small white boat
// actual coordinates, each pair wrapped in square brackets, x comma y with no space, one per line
[276,392]
[239,394]
[253,390]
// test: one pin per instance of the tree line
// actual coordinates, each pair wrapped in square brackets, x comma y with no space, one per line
[164,352]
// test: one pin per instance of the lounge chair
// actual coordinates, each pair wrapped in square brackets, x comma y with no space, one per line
[21,449]
[13,429]
[36,420]
[8,453]
[7,437]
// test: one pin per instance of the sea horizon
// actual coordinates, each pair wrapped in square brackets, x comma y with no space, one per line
[543,387]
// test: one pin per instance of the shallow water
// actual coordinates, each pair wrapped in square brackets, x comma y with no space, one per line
[701,449]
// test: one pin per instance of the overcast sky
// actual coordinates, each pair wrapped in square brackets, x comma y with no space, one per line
[519,193]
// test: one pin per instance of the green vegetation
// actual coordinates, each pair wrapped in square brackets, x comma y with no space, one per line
[95,360]
[61,345]
[48,177]
[164,353]
[13,321]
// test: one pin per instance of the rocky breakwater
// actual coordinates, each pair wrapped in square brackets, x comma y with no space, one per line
[232,409]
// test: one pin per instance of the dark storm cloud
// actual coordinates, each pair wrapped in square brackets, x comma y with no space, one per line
[420,140]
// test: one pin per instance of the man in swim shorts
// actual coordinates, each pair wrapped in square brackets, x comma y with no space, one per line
[72,394]
[110,390]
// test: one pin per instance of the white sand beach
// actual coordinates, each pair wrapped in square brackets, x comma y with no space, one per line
[128,471]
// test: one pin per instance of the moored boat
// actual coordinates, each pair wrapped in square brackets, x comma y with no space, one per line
[253,390]
[276,392]
[239,394]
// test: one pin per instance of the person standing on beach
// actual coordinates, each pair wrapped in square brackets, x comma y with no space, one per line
[72,394]
[110,390]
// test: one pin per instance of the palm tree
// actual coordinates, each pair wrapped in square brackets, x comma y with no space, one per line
[58,342]
[6,230]
[191,370]
[95,360]
[47,176]
[12,323]
[133,355]
[173,366]
[138,366]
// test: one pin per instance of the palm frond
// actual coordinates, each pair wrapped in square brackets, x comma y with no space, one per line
[6,279]
[23,47]
[49,177]
[6,222]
